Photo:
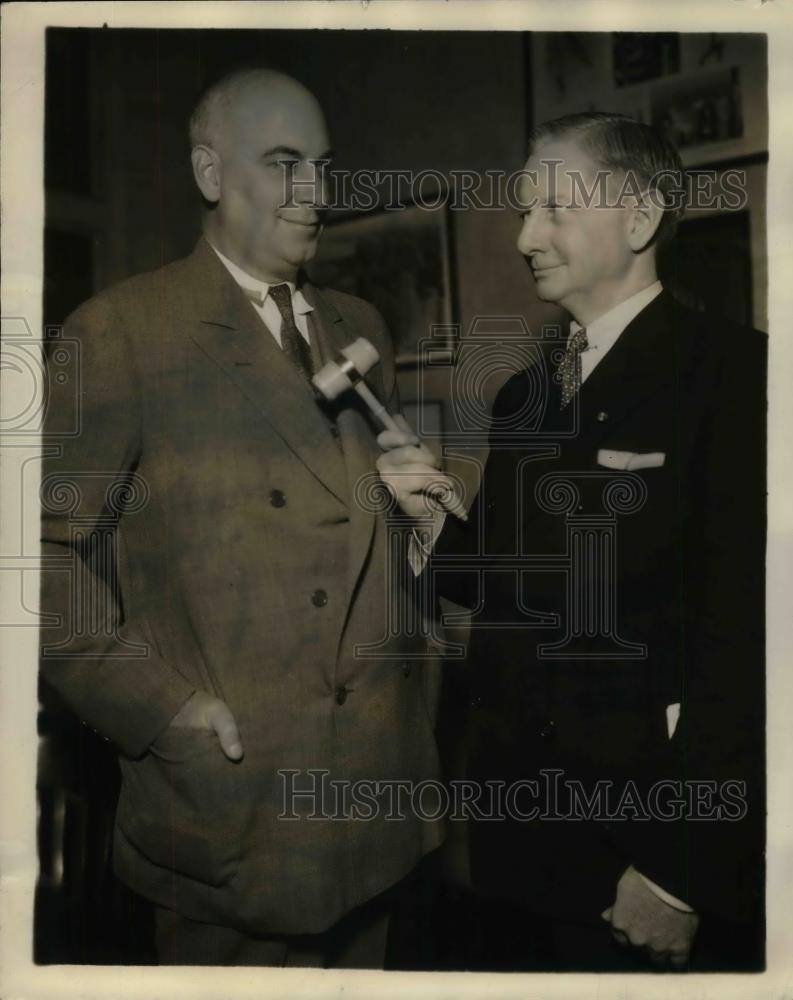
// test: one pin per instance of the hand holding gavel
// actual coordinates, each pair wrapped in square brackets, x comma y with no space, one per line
[407,467]
[410,470]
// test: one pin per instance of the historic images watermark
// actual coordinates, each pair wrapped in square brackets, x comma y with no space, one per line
[461,190]
[548,795]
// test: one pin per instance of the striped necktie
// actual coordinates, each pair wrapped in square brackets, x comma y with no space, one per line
[570,367]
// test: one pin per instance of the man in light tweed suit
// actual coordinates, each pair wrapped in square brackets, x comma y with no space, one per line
[249,573]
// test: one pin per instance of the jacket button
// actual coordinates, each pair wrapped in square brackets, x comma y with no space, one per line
[277,498]
[406,668]
[341,695]
[548,731]
[319,598]
[602,417]
[476,701]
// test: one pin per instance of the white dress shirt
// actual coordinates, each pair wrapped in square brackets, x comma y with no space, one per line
[264,304]
[602,334]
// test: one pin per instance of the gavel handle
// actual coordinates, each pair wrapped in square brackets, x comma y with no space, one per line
[451,503]
[377,407]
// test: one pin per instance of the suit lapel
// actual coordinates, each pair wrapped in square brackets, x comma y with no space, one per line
[231,333]
[637,367]
[355,434]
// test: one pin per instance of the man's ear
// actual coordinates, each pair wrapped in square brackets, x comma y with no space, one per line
[645,218]
[207,170]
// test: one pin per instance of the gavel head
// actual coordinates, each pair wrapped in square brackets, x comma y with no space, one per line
[337,377]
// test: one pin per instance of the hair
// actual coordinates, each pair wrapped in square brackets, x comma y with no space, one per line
[618,142]
[217,99]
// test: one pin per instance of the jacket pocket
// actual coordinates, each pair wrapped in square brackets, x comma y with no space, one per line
[180,806]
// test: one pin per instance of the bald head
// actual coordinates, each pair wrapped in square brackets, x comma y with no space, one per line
[260,150]
[256,90]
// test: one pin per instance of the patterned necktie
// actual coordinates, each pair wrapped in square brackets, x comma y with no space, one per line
[293,342]
[570,367]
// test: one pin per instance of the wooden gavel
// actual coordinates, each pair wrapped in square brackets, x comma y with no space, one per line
[337,377]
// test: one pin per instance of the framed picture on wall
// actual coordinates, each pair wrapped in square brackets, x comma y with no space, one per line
[699,110]
[642,55]
[706,90]
[398,260]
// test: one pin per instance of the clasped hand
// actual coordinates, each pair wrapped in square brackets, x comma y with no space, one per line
[639,918]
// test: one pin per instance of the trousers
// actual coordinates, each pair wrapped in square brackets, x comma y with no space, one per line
[357,941]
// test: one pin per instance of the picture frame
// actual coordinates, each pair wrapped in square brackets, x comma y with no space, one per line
[640,55]
[699,110]
[707,90]
[400,261]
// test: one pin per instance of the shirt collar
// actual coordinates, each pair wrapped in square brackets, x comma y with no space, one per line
[259,289]
[603,332]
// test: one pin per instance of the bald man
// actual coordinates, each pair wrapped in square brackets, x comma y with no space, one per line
[242,666]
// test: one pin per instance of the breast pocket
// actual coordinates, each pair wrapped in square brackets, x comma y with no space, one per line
[630,461]
[180,806]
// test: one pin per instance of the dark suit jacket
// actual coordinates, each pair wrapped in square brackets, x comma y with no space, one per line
[250,568]
[687,576]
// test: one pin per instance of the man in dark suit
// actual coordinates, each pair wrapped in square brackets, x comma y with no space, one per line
[236,664]
[615,558]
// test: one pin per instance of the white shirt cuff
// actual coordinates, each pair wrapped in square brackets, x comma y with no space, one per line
[667,897]
[421,543]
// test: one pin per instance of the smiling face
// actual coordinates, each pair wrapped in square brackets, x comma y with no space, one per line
[582,256]
[262,178]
